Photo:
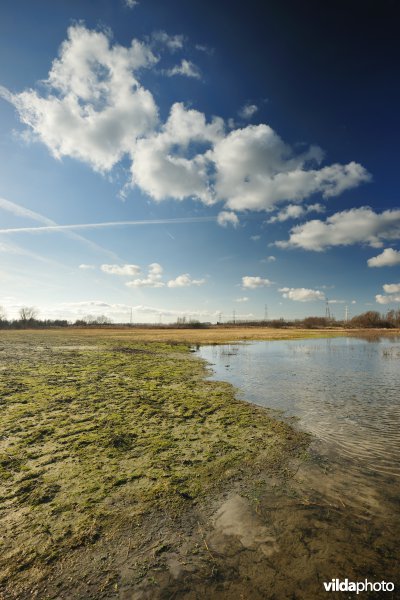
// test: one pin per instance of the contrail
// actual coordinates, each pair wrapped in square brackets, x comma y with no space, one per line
[21,211]
[107,224]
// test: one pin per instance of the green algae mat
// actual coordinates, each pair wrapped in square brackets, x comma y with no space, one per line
[95,430]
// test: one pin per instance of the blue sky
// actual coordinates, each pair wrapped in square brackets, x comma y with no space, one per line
[199,160]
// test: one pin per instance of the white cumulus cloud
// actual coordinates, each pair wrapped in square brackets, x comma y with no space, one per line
[172,42]
[124,270]
[242,299]
[185,68]
[392,288]
[255,170]
[95,107]
[252,283]
[302,294]
[247,111]
[85,267]
[393,296]
[295,211]
[388,258]
[226,218]
[160,167]
[184,280]
[153,279]
[357,225]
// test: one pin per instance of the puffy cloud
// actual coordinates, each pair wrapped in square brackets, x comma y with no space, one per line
[392,294]
[145,282]
[255,238]
[131,3]
[247,111]
[95,108]
[121,269]
[243,299]
[184,281]
[172,42]
[357,225]
[226,218]
[388,258]
[302,294]
[186,68]
[382,299]
[160,167]
[295,211]
[253,283]
[255,170]
[85,267]
[392,288]
[152,280]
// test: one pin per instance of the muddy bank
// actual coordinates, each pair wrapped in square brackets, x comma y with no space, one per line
[117,459]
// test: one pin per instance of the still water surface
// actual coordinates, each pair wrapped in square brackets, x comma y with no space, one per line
[344,391]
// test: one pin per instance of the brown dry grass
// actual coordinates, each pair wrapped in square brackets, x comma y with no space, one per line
[212,335]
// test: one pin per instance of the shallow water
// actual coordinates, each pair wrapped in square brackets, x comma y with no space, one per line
[346,393]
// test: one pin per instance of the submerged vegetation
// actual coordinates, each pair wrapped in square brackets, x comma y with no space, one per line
[98,429]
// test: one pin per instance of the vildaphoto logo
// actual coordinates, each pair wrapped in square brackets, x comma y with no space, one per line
[344,585]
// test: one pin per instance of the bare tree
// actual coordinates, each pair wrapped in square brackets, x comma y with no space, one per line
[3,316]
[27,313]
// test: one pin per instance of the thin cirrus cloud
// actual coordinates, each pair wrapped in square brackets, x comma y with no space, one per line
[392,294]
[252,283]
[388,258]
[96,111]
[354,226]
[301,294]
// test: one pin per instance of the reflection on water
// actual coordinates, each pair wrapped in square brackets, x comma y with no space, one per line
[346,393]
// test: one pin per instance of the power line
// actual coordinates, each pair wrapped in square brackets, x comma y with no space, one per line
[327,309]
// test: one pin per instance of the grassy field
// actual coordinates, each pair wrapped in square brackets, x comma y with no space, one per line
[106,438]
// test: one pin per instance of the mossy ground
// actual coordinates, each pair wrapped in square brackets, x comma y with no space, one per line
[95,427]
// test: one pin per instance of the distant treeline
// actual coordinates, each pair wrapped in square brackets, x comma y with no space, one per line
[28,319]
[367,320]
